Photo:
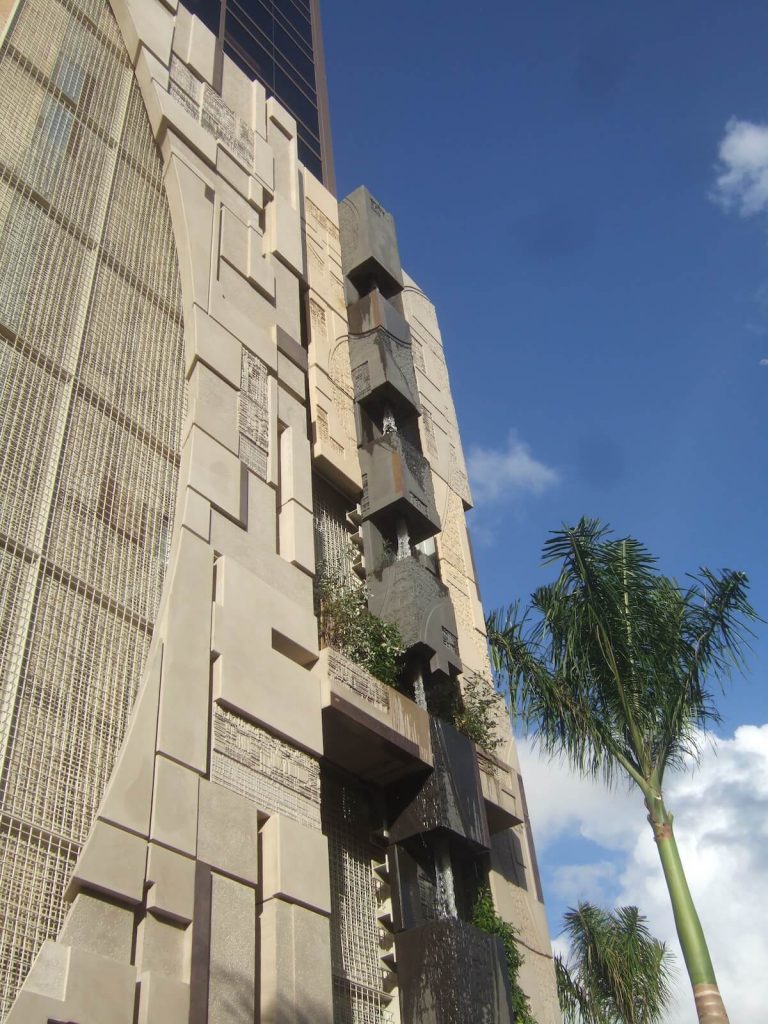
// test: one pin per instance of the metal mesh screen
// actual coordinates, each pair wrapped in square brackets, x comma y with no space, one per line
[358,974]
[333,541]
[91,402]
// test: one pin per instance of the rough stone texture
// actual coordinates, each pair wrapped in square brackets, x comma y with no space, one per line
[228,832]
[295,864]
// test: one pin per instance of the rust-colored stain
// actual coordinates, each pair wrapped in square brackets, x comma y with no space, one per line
[397,472]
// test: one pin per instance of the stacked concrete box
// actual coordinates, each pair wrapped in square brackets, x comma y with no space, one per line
[206,874]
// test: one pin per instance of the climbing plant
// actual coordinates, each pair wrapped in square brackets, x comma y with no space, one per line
[486,919]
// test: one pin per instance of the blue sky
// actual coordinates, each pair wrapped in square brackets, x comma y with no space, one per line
[553,170]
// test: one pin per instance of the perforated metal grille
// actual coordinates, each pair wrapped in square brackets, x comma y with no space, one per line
[91,401]
[333,540]
[358,974]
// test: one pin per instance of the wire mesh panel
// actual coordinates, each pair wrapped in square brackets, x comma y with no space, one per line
[358,974]
[91,403]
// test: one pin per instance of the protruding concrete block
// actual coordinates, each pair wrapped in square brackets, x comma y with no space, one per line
[185,688]
[295,864]
[212,405]
[112,861]
[191,202]
[174,806]
[284,234]
[369,242]
[148,23]
[171,877]
[297,543]
[228,832]
[128,798]
[195,44]
[206,340]
[232,979]
[260,269]
[215,472]
[161,947]
[295,946]
[162,1000]
[98,926]
[196,513]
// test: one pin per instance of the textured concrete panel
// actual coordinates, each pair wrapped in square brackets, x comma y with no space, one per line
[113,862]
[228,832]
[214,471]
[161,947]
[162,1000]
[295,864]
[171,881]
[98,926]
[294,946]
[174,806]
[213,403]
[232,981]
[369,241]
[128,798]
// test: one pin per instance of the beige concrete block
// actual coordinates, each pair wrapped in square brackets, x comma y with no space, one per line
[228,832]
[264,164]
[161,947]
[261,270]
[233,245]
[100,927]
[171,878]
[245,312]
[196,513]
[292,349]
[295,965]
[292,377]
[258,196]
[174,806]
[47,977]
[232,979]
[212,405]
[207,341]
[185,688]
[191,205]
[295,464]
[149,23]
[278,115]
[97,989]
[162,1000]
[297,543]
[287,299]
[264,639]
[195,44]
[283,235]
[149,69]
[294,864]
[233,172]
[113,862]
[215,472]
[237,91]
[273,462]
[127,801]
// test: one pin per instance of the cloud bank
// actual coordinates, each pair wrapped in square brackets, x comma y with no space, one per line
[721,823]
[507,472]
[742,181]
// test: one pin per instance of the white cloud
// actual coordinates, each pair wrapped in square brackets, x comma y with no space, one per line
[764,362]
[742,182]
[721,823]
[497,473]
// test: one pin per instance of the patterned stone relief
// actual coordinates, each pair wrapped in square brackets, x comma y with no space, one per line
[274,775]
[428,432]
[321,224]
[254,414]
[210,110]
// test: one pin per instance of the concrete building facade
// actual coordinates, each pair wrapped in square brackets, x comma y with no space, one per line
[216,381]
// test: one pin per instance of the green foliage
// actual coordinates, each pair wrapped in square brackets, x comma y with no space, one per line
[617,973]
[486,919]
[613,663]
[478,712]
[349,627]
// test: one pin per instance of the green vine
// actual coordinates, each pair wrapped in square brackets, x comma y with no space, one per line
[474,712]
[487,920]
[349,627]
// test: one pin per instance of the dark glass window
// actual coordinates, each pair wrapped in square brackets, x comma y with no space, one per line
[271,40]
[208,11]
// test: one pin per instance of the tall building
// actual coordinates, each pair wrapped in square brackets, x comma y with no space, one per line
[219,387]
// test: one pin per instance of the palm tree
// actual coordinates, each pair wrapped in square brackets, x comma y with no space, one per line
[614,665]
[617,972]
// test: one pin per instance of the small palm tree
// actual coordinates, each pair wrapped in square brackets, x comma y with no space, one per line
[616,973]
[613,665]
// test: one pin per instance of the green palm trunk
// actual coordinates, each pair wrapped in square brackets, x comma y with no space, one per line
[709,1003]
